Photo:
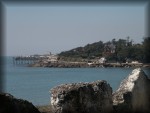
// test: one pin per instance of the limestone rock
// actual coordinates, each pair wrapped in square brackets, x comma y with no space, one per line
[9,104]
[133,94]
[94,97]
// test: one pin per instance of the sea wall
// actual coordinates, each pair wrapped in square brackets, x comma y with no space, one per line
[133,94]
[94,97]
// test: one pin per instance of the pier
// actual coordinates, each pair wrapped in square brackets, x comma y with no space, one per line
[33,59]
[19,60]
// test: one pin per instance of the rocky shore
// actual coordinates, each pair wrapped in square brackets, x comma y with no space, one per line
[10,104]
[65,64]
[132,96]
[93,97]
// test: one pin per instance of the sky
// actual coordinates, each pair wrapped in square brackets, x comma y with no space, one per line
[32,29]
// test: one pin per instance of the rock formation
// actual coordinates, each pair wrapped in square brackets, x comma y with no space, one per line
[94,97]
[133,94]
[9,104]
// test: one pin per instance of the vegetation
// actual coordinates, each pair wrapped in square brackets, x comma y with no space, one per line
[146,45]
[115,51]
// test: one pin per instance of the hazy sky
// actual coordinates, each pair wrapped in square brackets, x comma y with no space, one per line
[41,29]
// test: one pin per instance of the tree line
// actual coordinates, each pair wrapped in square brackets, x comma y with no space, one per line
[119,50]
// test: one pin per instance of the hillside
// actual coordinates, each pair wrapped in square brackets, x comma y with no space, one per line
[88,51]
[114,50]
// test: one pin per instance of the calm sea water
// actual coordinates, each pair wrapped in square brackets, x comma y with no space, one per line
[34,84]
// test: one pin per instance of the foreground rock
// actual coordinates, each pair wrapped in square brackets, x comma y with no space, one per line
[95,97]
[9,104]
[133,94]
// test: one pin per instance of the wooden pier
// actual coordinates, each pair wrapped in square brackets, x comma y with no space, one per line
[19,60]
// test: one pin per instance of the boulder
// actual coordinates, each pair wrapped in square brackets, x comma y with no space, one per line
[9,104]
[94,97]
[133,94]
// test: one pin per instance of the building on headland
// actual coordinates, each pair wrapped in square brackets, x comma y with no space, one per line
[132,61]
[102,60]
[135,62]
[109,48]
[49,58]
[52,58]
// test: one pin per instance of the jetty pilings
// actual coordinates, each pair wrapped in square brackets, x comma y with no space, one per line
[19,60]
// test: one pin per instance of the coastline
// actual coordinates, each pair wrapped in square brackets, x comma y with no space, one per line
[76,63]
[64,64]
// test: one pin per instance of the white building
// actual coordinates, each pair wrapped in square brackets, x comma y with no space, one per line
[135,62]
[52,58]
[102,60]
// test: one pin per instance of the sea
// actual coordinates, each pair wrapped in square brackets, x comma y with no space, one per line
[34,83]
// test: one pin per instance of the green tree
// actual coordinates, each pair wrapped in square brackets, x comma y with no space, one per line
[146,45]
